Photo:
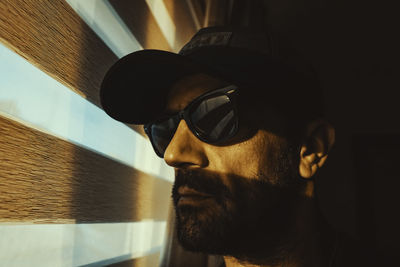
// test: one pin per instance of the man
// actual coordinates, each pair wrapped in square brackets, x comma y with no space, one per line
[240,120]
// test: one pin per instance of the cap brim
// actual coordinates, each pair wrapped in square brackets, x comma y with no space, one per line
[130,86]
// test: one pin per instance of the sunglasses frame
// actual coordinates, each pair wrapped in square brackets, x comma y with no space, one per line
[231,91]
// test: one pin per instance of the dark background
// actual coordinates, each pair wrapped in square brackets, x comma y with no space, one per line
[353,45]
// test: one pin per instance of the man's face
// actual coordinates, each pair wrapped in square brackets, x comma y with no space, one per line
[228,194]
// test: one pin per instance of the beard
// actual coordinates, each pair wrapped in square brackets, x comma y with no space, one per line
[247,217]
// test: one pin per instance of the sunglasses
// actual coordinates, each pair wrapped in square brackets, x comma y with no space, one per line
[212,118]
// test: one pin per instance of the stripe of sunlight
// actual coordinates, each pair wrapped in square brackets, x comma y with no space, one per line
[79,244]
[106,23]
[164,21]
[42,103]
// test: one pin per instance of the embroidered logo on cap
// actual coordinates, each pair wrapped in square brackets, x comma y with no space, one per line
[207,39]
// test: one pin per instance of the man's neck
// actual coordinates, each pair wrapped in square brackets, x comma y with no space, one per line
[310,246]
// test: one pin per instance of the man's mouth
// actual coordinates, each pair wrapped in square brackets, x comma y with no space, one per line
[189,196]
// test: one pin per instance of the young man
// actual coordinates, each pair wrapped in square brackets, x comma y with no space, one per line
[241,123]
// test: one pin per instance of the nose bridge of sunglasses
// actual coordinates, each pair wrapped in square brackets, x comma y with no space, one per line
[177,119]
[181,131]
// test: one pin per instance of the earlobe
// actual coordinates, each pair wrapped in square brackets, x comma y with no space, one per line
[320,137]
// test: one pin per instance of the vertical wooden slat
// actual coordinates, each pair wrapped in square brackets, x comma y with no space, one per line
[50,35]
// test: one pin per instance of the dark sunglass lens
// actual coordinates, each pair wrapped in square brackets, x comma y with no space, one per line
[214,118]
[162,133]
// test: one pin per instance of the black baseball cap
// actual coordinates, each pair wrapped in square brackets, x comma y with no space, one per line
[135,88]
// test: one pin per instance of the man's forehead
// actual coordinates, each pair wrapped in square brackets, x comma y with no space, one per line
[188,88]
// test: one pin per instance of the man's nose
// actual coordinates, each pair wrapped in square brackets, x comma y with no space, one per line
[185,150]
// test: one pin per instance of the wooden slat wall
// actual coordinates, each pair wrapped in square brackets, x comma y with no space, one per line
[53,37]
[47,180]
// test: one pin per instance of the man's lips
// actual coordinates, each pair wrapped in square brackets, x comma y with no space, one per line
[190,196]
[187,191]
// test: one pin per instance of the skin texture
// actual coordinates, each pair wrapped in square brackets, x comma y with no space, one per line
[262,213]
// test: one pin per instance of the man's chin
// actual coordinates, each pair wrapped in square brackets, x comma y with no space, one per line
[193,239]
[203,230]
[226,229]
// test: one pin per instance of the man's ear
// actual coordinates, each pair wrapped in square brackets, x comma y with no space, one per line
[318,140]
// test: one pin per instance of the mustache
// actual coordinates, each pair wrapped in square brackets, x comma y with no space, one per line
[203,181]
